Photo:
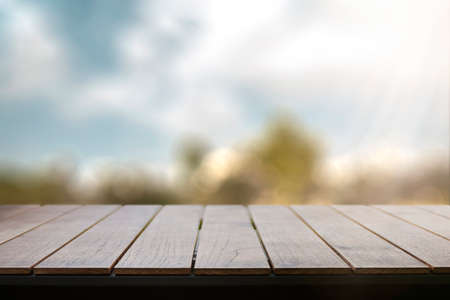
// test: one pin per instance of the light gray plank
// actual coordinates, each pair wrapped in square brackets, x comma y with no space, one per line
[167,245]
[292,246]
[441,210]
[425,219]
[366,252]
[19,255]
[422,244]
[98,249]
[7,211]
[228,244]
[21,223]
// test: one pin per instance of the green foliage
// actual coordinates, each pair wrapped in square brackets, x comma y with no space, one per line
[286,157]
[235,189]
[278,168]
[190,154]
[51,186]
[132,186]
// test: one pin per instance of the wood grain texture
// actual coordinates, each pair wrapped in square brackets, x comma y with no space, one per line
[98,249]
[430,248]
[7,211]
[167,245]
[228,244]
[23,222]
[366,252]
[420,217]
[441,210]
[19,255]
[292,246]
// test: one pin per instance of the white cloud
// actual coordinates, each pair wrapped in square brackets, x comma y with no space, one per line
[385,60]
[150,90]
[34,61]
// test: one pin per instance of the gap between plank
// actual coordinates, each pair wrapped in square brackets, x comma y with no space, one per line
[409,222]
[434,213]
[39,225]
[194,253]
[135,238]
[260,240]
[382,237]
[328,244]
[76,236]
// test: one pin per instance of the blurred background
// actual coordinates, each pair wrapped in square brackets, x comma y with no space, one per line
[309,101]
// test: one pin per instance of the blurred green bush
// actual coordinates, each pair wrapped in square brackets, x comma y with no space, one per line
[279,167]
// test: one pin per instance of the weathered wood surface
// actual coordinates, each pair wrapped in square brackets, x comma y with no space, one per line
[98,249]
[21,223]
[167,245]
[222,240]
[19,255]
[7,211]
[424,245]
[228,244]
[422,218]
[294,248]
[441,210]
[366,252]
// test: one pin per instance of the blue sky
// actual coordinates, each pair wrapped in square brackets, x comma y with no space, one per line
[126,80]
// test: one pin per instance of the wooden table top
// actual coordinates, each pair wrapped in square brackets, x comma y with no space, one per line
[224,240]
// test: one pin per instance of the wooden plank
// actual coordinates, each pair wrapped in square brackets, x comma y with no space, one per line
[21,223]
[293,248]
[228,244]
[366,252]
[420,217]
[424,245]
[19,255]
[167,245]
[7,211]
[98,249]
[441,210]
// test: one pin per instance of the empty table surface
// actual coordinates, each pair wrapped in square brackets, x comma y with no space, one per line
[223,240]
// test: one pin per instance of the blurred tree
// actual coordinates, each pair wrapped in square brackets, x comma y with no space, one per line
[278,168]
[286,157]
[51,185]
[131,185]
[235,189]
[190,155]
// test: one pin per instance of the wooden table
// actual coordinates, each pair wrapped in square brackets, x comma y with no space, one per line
[225,245]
